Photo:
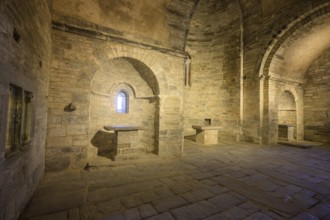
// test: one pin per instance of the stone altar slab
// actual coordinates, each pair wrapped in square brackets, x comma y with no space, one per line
[206,134]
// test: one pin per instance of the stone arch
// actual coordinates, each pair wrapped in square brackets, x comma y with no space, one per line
[275,73]
[139,81]
[130,89]
[289,35]
[141,59]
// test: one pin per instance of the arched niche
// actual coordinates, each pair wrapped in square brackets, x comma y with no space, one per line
[287,115]
[142,90]
[284,65]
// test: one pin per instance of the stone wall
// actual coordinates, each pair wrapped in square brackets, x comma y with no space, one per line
[317,100]
[24,62]
[77,61]
[214,43]
[160,23]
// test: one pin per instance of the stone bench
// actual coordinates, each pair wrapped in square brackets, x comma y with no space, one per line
[206,134]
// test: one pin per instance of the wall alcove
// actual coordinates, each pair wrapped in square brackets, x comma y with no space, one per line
[134,79]
[287,115]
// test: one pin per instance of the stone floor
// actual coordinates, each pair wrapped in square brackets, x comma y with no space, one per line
[224,181]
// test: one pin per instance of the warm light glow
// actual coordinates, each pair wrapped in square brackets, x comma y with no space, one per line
[121,104]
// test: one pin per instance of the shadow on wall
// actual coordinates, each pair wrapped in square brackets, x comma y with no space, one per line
[105,143]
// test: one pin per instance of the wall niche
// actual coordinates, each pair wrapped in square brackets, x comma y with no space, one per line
[140,85]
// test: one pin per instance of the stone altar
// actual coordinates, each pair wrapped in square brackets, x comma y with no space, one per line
[206,134]
[127,138]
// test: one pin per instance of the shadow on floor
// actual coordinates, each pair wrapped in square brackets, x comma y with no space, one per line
[190,137]
[105,142]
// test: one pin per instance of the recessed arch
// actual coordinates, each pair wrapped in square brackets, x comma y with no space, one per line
[285,63]
[310,25]
[124,91]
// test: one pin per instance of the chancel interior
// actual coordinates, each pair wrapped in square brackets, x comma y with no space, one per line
[164,109]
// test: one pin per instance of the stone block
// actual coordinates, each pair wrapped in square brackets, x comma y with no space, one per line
[59,142]
[196,211]
[168,203]
[163,216]
[77,129]
[147,210]
[57,163]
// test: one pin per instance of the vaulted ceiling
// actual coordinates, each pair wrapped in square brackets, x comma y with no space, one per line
[165,23]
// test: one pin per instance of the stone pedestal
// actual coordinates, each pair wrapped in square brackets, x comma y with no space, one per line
[206,134]
[286,132]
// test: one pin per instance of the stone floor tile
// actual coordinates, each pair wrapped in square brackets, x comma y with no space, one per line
[267,185]
[321,210]
[307,192]
[163,216]
[109,206]
[209,182]
[103,191]
[276,216]
[113,216]
[224,201]
[314,179]
[148,196]
[169,203]
[231,214]
[287,191]
[249,207]
[197,195]
[147,210]
[132,201]
[305,216]
[249,172]
[258,216]
[201,175]
[267,199]
[198,210]
[167,181]
[183,178]
[131,214]
[307,201]
[164,193]
[181,188]
[55,216]
[237,174]
[216,189]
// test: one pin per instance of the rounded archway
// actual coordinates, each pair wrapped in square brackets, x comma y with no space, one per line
[124,92]
[285,64]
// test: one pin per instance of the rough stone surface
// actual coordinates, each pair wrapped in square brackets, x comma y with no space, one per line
[149,189]
[25,46]
[316,102]
[253,65]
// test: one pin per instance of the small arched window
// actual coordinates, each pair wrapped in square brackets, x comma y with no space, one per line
[122,102]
